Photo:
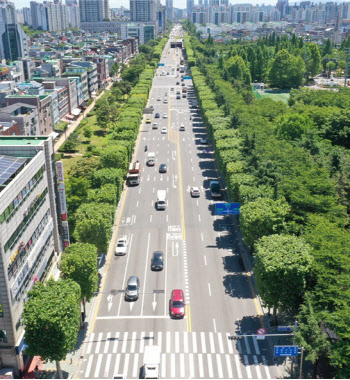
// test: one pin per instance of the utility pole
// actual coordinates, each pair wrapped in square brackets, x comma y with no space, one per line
[347,66]
[301,363]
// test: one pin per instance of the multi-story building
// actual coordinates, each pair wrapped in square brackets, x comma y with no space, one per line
[143,31]
[91,69]
[81,73]
[143,10]
[39,17]
[91,10]
[28,67]
[57,16]
[27,16]
[24,115]
[9,128]
[102,70]
[6,88]
[189,7]
[13,40]
[29,234]
[170,9]
[106,9]
[73,16]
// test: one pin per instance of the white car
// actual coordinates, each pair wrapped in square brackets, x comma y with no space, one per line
[194,191]
[182,127]
[164,130]
[159,99]
[121,247]
[165,115]
[204,141]
[165,100]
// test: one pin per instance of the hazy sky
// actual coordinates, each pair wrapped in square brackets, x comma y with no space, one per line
[177,3]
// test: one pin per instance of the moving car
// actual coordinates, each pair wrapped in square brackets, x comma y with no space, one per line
[177,83]
[162,168]
[178,96]
[195,193]
[157,261]
[132,289]
[165,100]
[157,115]
[159,99]
[177,304]
[165,115]
[148,121]
[164,130]
[182,127]
[121,247]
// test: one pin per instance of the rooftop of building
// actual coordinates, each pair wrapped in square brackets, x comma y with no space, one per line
[22,140]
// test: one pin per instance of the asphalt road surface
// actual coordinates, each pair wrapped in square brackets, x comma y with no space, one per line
[199,258]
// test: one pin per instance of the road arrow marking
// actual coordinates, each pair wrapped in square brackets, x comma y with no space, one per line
[154,303]
[131,304]
[109,300]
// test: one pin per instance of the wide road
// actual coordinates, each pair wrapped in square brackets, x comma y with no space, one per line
[199,258]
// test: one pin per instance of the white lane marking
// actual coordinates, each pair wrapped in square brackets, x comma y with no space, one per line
[194,342]
[238,367]
[108,363]
[221,345]
[98,365]
[135,367]
[168,342]
[197,203]
[88,367]
[126,268]
[172,359]
[151,339]
[200,365]
[98,345]
[205,260]
[137,204]
[140,190]
[182,365]
[214,323]
[159,341]
[229,367]
[246,363]
[218,361]
[199,217]
[166,218]
[150,218]
[209,289]
[257,368]
[145,275]
[91,338]
[247,345]
[186,342]
[204,349]
[211,341]
[125,342]
[163,366]
[191,363]
[229,344]
[266,367]
[126,364]
[177,342]
[116,367]
[165,277]
[256,346]
[135,316]
[116,341]
[142,342]
[107,343]
[210,366]
[133,342]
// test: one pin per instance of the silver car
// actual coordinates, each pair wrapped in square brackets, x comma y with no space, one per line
[132,289]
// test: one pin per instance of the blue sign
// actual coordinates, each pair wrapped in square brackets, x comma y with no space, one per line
[227,208]
[160,64]
[284,328]
[286,350]
[187,77]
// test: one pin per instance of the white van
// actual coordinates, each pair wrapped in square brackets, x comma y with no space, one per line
[161,199]
[151,159]
[155,126]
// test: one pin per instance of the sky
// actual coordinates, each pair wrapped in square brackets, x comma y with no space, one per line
[177,3]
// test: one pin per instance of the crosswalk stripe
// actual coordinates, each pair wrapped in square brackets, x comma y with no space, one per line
[266,368]
[163,368]
[210,366]
[107,343]
[229,344]
[186,342]
[257,368]
[194,343]
[133,341]
[204,349]
[228,366]
[116,341]
[125,342]
[91,338]
[98,365]
[247,345]
[212,345]
[182,365]
[256,345]
[108,363]
[168,342]
[239,372]
[99,339]
[246,363]
[142,342]
[151,339]
[218,361]
[136,361]
[191,366]
[177,343]
[116,366]
[159,341]
[172,359]
[126,365]
[200,365]
[88,367]
[221,345]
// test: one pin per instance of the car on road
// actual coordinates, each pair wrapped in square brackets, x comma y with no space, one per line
[162,168]
[157,115]
[148,121]
[204,141]
[151,107]
[165,115]
[164,130]
[172,89]
[178,96]
[165,100]
[159,99]
[157,261]
[195,193]
[182,127]
[182,84]
[132,289]
[168,73]
[121,247]
[177,83]
[177,304]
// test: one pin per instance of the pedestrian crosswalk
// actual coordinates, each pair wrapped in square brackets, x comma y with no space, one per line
[183,355]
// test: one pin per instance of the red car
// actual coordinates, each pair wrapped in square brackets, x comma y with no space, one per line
[177,304]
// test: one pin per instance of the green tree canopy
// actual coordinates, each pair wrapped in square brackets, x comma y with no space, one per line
[293,126]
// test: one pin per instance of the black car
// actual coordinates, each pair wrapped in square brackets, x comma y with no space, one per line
[157,115]
[157,261]
[162,168]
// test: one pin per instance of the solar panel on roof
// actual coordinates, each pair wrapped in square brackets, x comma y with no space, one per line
[8,166]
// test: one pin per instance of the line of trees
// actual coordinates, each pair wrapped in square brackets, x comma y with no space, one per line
[289,168]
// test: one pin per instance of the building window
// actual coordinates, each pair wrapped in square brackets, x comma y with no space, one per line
[3,336]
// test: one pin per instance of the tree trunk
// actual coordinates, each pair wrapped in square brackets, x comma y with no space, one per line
[275,316]
[59,370]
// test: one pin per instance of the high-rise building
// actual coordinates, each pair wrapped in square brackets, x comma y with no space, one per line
[189,7]
[105,9]
[27,16]
[91,10]
[73,16]
[13,41]
[57,17]
[143,10]
[39,17]
[170,9]
[282,6]
[71,2]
